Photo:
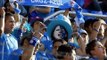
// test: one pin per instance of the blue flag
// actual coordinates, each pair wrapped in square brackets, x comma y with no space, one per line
[77,8]
[50,3]
[62,4]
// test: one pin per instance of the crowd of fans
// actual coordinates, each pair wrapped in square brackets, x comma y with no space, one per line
[24,35]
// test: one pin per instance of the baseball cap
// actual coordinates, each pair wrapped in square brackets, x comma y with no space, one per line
[82,31]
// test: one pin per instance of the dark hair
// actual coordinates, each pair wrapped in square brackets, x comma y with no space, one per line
[6,4]
[26,36]
[8,14]
[89,22]
[62,50]
[90,46]
[32,24]
[65,48]
[57,41]
[64,38]
[33,17]
[72,20]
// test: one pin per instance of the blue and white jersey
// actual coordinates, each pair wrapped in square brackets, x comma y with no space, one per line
[8,44]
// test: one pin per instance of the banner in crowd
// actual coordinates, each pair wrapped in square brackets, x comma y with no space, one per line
[50,3]
[61,4]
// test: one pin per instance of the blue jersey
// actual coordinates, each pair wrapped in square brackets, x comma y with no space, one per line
[16,55]
[8,44]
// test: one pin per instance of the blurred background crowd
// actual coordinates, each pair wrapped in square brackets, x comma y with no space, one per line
[25,35]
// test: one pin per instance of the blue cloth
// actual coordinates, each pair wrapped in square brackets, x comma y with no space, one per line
[2,3]
[41,55]
[93,12]
[42,15]
[17,10]
[8,44]
[47,42]
[17,33]
[49,3]
[93,58]
[78,9]
[75,44]
[27,26]
[80,2]
[34,41]
[15,55]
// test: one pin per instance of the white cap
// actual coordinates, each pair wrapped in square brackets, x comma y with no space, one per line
[82,31]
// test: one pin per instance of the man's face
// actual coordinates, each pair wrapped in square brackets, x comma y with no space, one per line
[9,23]
[101,32]
[85,37]
[99,50]
[38,26]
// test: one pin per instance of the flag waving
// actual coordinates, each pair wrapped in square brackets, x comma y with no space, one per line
[50,3]
[77,8]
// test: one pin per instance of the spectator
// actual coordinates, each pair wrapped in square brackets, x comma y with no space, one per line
[19,54]
[56,45]
[36,25]
[101,35]
[7,40]
[57,30]
[84,35]
[96,50]
[92,27]
[77,39]
[65,52]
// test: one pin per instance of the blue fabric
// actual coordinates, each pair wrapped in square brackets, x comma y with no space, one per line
[27,26]
[47,42]
[42,15]
[17,33]
[49,3]
[16,54]
[90,11]
[41,55]
[2,3]
[8,44]
[78,9]
[34,41]
[17,10]
[80,2]
[75,44]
